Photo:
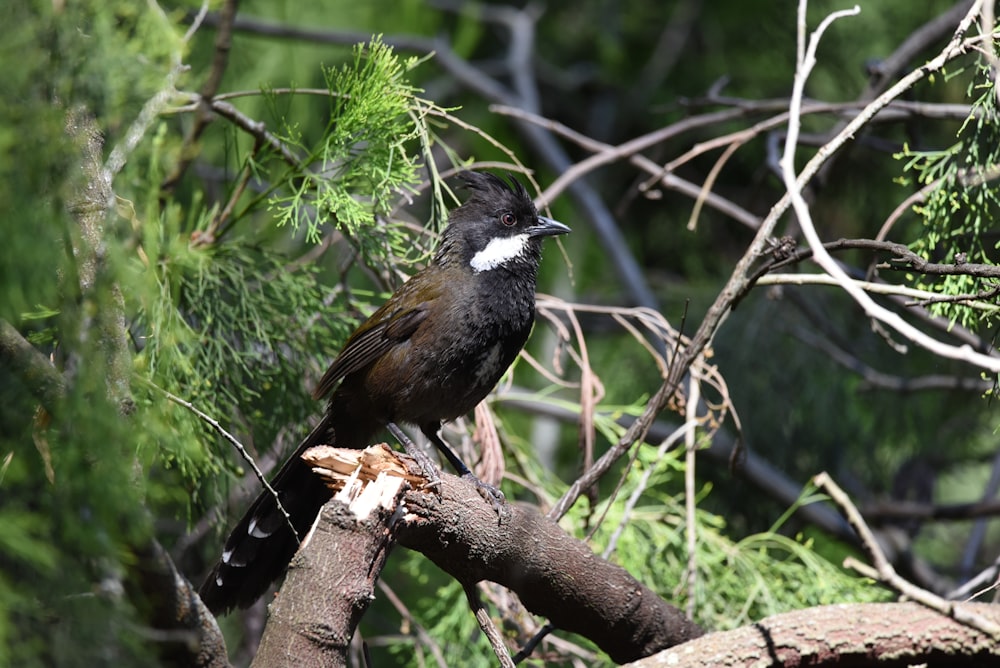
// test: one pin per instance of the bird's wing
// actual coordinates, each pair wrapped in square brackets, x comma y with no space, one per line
[372,340]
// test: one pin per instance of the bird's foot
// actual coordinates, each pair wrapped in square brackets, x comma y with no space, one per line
[427,466]
[430,470]
[492,494]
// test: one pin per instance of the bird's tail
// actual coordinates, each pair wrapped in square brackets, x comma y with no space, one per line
[262,543]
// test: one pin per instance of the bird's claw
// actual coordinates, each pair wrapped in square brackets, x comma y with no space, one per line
[492,494]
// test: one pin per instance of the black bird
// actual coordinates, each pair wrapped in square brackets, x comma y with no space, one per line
[432,352]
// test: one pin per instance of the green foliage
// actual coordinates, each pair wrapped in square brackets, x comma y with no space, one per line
[962,205]
[737,581]
[224,311]
[363,159]
[226,331]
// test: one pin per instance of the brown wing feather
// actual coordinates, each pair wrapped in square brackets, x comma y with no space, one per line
[383,330]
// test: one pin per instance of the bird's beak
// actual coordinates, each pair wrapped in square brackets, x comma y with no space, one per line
[546,227]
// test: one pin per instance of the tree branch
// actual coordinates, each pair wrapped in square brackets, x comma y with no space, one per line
[555,575]
[882,634]
[32,367]
[223,42]
[188,634]
[794,185]
[884,571]
[331,579]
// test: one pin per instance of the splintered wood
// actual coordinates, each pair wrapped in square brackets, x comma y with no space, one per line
[364,479]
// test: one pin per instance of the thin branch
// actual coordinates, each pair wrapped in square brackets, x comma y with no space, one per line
[873,378]
[884,511]
[690,505]
[220,59]
[533,642]
[642,484]
[986,580]
[909,51]
[211,233]
[219,429]
[669,180]
[752,467]
[257,129]
[820,255]
[884,571]
[783,256]
[487,626]
[924,296]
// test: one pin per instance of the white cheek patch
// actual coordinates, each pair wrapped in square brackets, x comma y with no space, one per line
[498,252]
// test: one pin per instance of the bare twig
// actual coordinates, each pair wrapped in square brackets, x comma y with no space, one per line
[642,484]
[987,580]
[210,235]
[219,429]
[884,571]
[874,379]
[223,42]
[690,507]
[256,129]
[794,185]
[488,627]
[920,297]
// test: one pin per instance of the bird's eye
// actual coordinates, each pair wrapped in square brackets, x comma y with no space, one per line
[508,219]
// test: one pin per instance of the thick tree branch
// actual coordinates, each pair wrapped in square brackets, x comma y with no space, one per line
[331,580]
[555,575]
[188,634]
[873,634]
[92,200]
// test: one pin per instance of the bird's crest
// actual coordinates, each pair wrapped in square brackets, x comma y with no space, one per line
[486,184]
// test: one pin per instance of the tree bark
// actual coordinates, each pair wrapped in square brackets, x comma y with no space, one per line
[554,574]
[331,580]
[188,633]
[867,634]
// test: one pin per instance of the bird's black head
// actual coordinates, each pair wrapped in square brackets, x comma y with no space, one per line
[498,227]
